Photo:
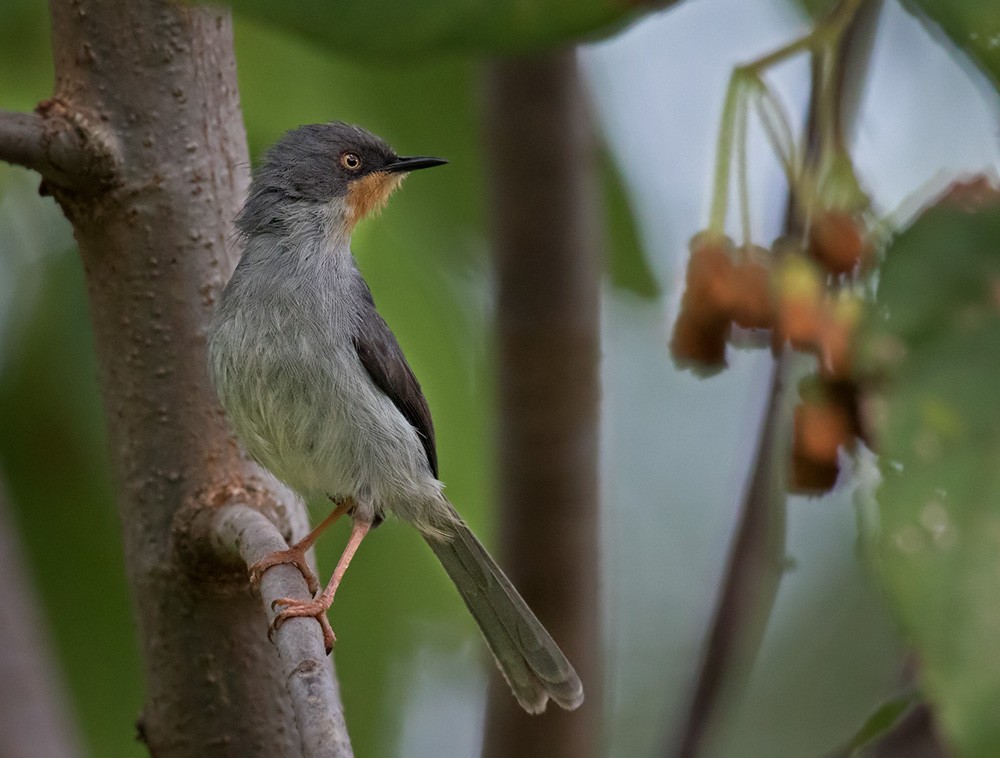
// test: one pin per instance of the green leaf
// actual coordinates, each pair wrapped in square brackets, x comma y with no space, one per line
[936,338]
[973,25]
[629,268]
[404,28]
[882,719]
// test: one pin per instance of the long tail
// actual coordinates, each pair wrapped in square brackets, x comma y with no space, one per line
[529,659]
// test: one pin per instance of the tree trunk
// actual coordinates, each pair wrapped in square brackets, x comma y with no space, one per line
[146,106]
[546,252]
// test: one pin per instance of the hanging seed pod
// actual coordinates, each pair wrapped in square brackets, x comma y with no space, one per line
[753,307]
[699,338]
[838,328]
[821,428]
[800,294]
[839,241]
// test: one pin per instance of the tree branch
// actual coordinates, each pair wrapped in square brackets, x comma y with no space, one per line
[59,147]
[156,81]
[21,139]
[243,535]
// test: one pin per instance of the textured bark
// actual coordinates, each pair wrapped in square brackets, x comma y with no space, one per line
[146,90]
[34,716]
[50,143]
[546,251]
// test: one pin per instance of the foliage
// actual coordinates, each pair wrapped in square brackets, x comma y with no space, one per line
[935,337]
[972,25]
[391,29]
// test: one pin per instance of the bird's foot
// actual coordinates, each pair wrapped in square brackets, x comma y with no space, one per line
[292,608]
[295,556]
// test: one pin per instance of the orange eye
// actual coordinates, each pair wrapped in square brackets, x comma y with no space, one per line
[350,161]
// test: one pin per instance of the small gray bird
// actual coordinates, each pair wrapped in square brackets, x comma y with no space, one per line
[318,390]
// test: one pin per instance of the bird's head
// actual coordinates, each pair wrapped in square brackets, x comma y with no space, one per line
[326,164]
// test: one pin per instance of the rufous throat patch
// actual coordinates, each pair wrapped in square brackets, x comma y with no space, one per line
[369,194]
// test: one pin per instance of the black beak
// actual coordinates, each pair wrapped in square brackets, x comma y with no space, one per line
[412,164]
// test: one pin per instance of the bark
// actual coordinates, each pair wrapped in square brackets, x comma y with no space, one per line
[146,90]
[34,715]
[547,268]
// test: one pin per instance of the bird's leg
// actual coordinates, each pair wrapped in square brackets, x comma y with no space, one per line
[317,607]
[296,554]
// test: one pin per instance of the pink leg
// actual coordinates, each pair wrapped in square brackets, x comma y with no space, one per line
[296,554]
[318,607]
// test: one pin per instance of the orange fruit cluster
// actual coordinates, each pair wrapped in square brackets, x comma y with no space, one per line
[724,286]
[794,293]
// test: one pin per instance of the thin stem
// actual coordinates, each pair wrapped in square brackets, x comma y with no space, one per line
[825,36]
[723,154]
[826,68]
[777,128]
[742,180]
[830,28]
[801,45]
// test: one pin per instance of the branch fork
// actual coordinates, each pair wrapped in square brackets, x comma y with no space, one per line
[62,145]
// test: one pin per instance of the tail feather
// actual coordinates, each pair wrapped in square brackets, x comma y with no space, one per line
[529,659]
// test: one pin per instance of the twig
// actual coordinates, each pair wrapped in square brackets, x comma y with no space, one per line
[57,145]
[21,139]
[241,533]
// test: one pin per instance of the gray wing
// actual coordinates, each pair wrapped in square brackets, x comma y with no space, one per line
[385,363]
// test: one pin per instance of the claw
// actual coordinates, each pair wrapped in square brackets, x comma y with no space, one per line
[318,606]
[304,609]
[293,556]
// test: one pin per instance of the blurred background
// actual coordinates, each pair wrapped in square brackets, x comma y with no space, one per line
[675,449]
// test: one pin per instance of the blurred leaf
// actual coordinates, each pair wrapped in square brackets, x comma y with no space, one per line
[25,54]
[973,25]
[815,8]
[54,454]
[878,723]
[936,337]
[629,268]
[400,28]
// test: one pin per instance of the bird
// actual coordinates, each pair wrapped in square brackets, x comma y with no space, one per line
[316,387]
